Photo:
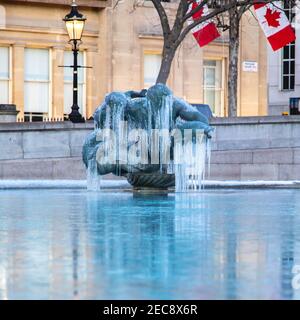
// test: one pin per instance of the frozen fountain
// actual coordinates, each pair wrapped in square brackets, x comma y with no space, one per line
[152,138]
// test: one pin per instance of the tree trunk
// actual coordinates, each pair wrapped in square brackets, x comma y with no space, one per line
[165,68]
[234,44]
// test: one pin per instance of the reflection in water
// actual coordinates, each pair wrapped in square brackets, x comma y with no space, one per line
[231,254]
[75,233]
[287,250]
[216,245]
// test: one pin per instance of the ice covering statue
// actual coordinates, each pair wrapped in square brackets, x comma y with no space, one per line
[145,112]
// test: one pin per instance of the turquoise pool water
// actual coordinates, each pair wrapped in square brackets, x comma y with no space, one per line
[222,244]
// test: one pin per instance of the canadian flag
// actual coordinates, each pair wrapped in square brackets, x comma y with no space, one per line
[205,32]
[275,25]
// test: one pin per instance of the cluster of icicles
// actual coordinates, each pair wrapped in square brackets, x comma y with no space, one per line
[191,154]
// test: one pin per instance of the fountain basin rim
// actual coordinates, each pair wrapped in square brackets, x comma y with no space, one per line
[60,184]
[123,185]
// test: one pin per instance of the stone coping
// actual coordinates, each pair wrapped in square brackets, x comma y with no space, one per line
[38,126]
[60,184]
[89,125]
[255,120]
[123,185]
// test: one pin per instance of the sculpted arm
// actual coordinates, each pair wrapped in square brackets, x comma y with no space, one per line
[187,112]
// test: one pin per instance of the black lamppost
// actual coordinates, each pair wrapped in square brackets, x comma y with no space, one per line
[75,22]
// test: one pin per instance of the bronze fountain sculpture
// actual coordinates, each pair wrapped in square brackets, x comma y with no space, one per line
[113,148]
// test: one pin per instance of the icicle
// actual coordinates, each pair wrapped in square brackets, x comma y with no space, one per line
[93,178]
[165,112]
[180,174]
[113,118]
[107,118]
[165,122]
[118,117]
[190,161]
[208,155]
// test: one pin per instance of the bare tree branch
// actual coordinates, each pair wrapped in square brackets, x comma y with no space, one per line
[163,17]
[173,37]
[219,9]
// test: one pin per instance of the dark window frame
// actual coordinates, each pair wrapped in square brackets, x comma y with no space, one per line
[288,56]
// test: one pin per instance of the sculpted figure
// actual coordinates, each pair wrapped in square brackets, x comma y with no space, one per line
[155,108]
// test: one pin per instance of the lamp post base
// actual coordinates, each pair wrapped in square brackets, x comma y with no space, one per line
[76,117]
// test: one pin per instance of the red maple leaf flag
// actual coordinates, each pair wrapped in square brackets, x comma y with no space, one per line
[272,18]
[275,25]
[205,32]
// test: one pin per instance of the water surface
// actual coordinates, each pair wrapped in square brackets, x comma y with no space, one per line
[216,245]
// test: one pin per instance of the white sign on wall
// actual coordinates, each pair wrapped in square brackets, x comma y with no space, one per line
[250,66]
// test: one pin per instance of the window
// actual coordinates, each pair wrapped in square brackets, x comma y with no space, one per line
[4,75]
[68,83]
[288,68]
[212,84]
[152,64]
[37,83]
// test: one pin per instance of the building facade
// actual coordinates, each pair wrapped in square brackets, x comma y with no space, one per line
[123,45]
[284,70]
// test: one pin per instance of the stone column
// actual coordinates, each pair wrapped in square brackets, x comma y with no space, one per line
[58,82]
[18,77]
[91,96]
[262,76]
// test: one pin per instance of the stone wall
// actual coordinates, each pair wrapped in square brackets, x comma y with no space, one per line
[42,150]
[256,148]
[251,148]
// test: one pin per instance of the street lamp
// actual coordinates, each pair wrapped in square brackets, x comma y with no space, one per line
[75,22]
